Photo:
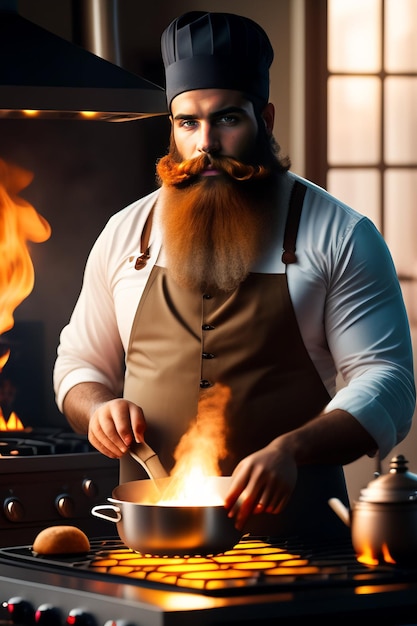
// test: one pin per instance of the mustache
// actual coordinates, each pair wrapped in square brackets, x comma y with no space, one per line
[173,173]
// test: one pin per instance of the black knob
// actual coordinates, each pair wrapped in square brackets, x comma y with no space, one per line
[48,615]
[20,611]
[79,617]
[65,505]
[14,509]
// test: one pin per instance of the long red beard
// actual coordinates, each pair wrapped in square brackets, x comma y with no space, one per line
[214,226]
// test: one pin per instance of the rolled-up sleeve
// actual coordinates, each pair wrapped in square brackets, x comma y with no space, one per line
[352,317]
[90,348]
[369,337]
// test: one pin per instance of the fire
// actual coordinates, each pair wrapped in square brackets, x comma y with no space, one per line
[198,454]
[367,556]
[19,223]
[13,423]
[386,554]
[3,359]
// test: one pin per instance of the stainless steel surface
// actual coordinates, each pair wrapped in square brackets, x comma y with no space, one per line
[43,72]
[96,28]
[169,530]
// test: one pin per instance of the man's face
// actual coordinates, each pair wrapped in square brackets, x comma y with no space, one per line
[217,121]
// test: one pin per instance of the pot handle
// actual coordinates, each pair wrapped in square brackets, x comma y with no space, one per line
[96,511]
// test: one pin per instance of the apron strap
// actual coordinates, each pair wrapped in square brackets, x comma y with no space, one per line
[293,220]
[144,242]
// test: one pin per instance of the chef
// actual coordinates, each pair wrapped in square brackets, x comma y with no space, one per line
[237,272]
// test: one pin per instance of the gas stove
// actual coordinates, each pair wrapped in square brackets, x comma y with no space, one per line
[259,581]
[50,477]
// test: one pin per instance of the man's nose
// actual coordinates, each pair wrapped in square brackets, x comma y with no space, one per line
[208,140]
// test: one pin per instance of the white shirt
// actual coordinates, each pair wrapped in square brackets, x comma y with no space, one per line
[344,290]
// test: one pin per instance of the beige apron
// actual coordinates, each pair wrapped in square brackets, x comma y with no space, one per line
[182,342]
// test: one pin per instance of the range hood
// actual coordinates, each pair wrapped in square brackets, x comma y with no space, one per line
[43,75]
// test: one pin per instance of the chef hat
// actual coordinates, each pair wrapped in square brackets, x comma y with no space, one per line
[204,50]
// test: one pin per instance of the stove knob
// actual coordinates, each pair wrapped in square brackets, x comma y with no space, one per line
[79,617]
[13,510]
[90,488]
[20,611]
[65,505]
[48,615]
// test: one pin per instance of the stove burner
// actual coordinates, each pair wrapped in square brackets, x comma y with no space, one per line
[41,442]
[254,565]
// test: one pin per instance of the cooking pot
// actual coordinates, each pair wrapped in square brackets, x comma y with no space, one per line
[384,520]
[167,529]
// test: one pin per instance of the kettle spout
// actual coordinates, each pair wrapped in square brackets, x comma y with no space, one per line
[340,510]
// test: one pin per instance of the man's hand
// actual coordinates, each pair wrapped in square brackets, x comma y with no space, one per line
[111,423]
[114,426]
[266,479]
[261,482]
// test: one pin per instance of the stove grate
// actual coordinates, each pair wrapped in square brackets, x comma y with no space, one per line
[256,565]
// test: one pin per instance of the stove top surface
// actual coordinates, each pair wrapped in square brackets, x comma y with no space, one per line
[258,582]
[253,566]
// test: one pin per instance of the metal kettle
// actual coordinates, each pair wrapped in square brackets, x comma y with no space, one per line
[383,521]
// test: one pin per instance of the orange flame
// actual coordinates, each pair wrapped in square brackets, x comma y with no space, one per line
[198,453]
[19,223]
[3,359]
[367,556]
[386,554]
[13,423]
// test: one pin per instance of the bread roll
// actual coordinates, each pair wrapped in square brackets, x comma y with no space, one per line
[61,540]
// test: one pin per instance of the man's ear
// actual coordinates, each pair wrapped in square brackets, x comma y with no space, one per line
[268,116]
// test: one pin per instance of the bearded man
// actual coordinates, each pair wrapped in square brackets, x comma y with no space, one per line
[237,282]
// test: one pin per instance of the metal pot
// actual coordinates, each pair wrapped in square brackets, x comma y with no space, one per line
[384,520]
[151,528]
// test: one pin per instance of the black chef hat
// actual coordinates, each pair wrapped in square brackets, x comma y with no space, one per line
[204,50]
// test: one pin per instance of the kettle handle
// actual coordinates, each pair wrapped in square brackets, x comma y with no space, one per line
[340,510]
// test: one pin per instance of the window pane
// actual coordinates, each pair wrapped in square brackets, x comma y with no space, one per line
[353,120]
[400,35]
[400,124]
[354,35]
[401,219]
[360,189]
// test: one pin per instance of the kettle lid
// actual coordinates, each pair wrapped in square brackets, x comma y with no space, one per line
[398,485]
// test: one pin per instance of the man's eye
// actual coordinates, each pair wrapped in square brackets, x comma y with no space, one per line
[228,120]
[187,123]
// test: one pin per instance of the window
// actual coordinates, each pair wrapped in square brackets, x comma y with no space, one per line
[361,114]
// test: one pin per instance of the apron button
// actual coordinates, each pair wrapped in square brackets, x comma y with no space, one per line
[208,355]
[207,327]
[204,384]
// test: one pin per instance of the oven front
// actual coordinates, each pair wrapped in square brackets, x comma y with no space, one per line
[50,477]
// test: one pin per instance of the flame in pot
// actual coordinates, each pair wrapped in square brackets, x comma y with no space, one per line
[198,454]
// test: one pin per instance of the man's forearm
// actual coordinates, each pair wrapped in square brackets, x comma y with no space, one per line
[331,438]
[81,401]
